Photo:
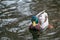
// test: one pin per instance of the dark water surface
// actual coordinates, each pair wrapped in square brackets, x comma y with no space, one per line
[15,16]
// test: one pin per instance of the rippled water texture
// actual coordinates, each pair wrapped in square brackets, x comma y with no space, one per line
[15,17]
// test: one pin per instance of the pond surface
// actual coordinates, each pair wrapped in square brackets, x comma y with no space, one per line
[15,18]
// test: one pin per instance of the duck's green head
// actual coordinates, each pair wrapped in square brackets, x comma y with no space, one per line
[34,20]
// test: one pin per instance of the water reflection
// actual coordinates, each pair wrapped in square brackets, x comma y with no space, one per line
[24,5]
[35,34]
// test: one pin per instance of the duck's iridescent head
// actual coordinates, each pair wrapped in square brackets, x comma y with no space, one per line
[34,20]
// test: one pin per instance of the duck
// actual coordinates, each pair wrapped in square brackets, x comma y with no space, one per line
[35,24]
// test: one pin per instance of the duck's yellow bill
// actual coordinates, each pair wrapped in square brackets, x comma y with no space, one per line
[34,23]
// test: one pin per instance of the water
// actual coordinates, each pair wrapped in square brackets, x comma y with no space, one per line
[15,19]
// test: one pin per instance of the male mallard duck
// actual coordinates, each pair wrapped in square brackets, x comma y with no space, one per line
[35,24]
